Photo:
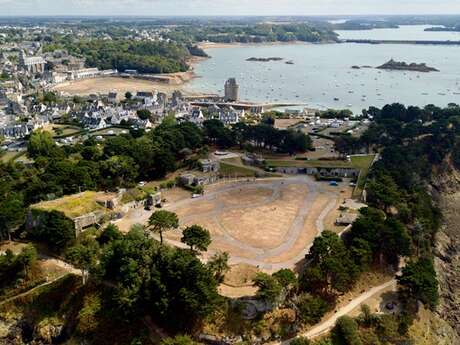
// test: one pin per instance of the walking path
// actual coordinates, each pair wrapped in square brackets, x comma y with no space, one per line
[33,289]
[328,324]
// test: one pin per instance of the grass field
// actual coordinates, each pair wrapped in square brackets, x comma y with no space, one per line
[73,205]
[234,170]
[58,130]
[364,164]
[309,163]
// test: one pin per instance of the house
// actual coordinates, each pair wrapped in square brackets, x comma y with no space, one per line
[16,131]
[147,97]
[93,122]
[230,116]
[197,116]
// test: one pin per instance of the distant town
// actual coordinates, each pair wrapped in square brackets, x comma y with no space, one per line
[135,210]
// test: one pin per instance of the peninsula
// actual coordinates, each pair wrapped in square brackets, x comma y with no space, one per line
[403,66]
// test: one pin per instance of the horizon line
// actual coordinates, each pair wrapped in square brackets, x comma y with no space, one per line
[221,15]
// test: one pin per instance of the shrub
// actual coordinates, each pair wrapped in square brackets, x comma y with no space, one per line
[312,308]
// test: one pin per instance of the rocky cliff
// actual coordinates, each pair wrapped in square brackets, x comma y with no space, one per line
[447,253]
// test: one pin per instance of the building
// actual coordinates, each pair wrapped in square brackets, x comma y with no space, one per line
[231,90]
[112,97]
[197,117]
[320,171]
[32,64]
[16,131]
[209,165]
[83,73]
[230,116]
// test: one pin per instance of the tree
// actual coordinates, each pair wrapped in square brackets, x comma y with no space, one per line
[27,257]
[144,114]
[361,253]
[196,237]
[41,143]
[178,340]
[346,332]
[161,221]
[55,229]
[12,214]
[269,288]
[394,240]
[128,95]
[218,264]
[311,308]
[84,256]
[300,341]
[383,192]
[110,233]
[119,171]
[286,278]
[330,267]
[418,281]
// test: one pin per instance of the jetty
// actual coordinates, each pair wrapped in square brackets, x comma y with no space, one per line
[421,42]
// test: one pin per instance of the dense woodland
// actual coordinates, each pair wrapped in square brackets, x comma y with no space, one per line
[123,54]
[122,161]
[257,33]
[148,278]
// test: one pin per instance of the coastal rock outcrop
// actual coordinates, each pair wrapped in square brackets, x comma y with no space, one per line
[268,59]
[403,66]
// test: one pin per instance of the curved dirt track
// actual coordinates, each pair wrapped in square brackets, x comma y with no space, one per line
[261,256]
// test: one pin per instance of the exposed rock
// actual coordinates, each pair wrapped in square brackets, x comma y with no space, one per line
[264,59]
[49,330]
[403,66]
[430,329]
[447,251]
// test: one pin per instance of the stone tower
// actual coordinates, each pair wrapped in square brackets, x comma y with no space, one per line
[231,90]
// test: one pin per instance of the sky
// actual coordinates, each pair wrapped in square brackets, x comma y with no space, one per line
[226,7]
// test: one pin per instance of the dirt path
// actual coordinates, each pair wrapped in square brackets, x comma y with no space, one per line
[328,324]
[33,289]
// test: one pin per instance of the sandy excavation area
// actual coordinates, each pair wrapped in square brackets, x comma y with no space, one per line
[269,224]
[121,85]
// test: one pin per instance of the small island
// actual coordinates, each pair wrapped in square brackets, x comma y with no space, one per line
[403,66]
[290,62]
[264,59]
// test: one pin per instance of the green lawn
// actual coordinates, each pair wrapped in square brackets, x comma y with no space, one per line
[61,131]
[72,205]
[309,163]
[364,164]
[228,169]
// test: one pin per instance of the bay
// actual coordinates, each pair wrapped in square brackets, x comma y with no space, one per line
[321,76]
